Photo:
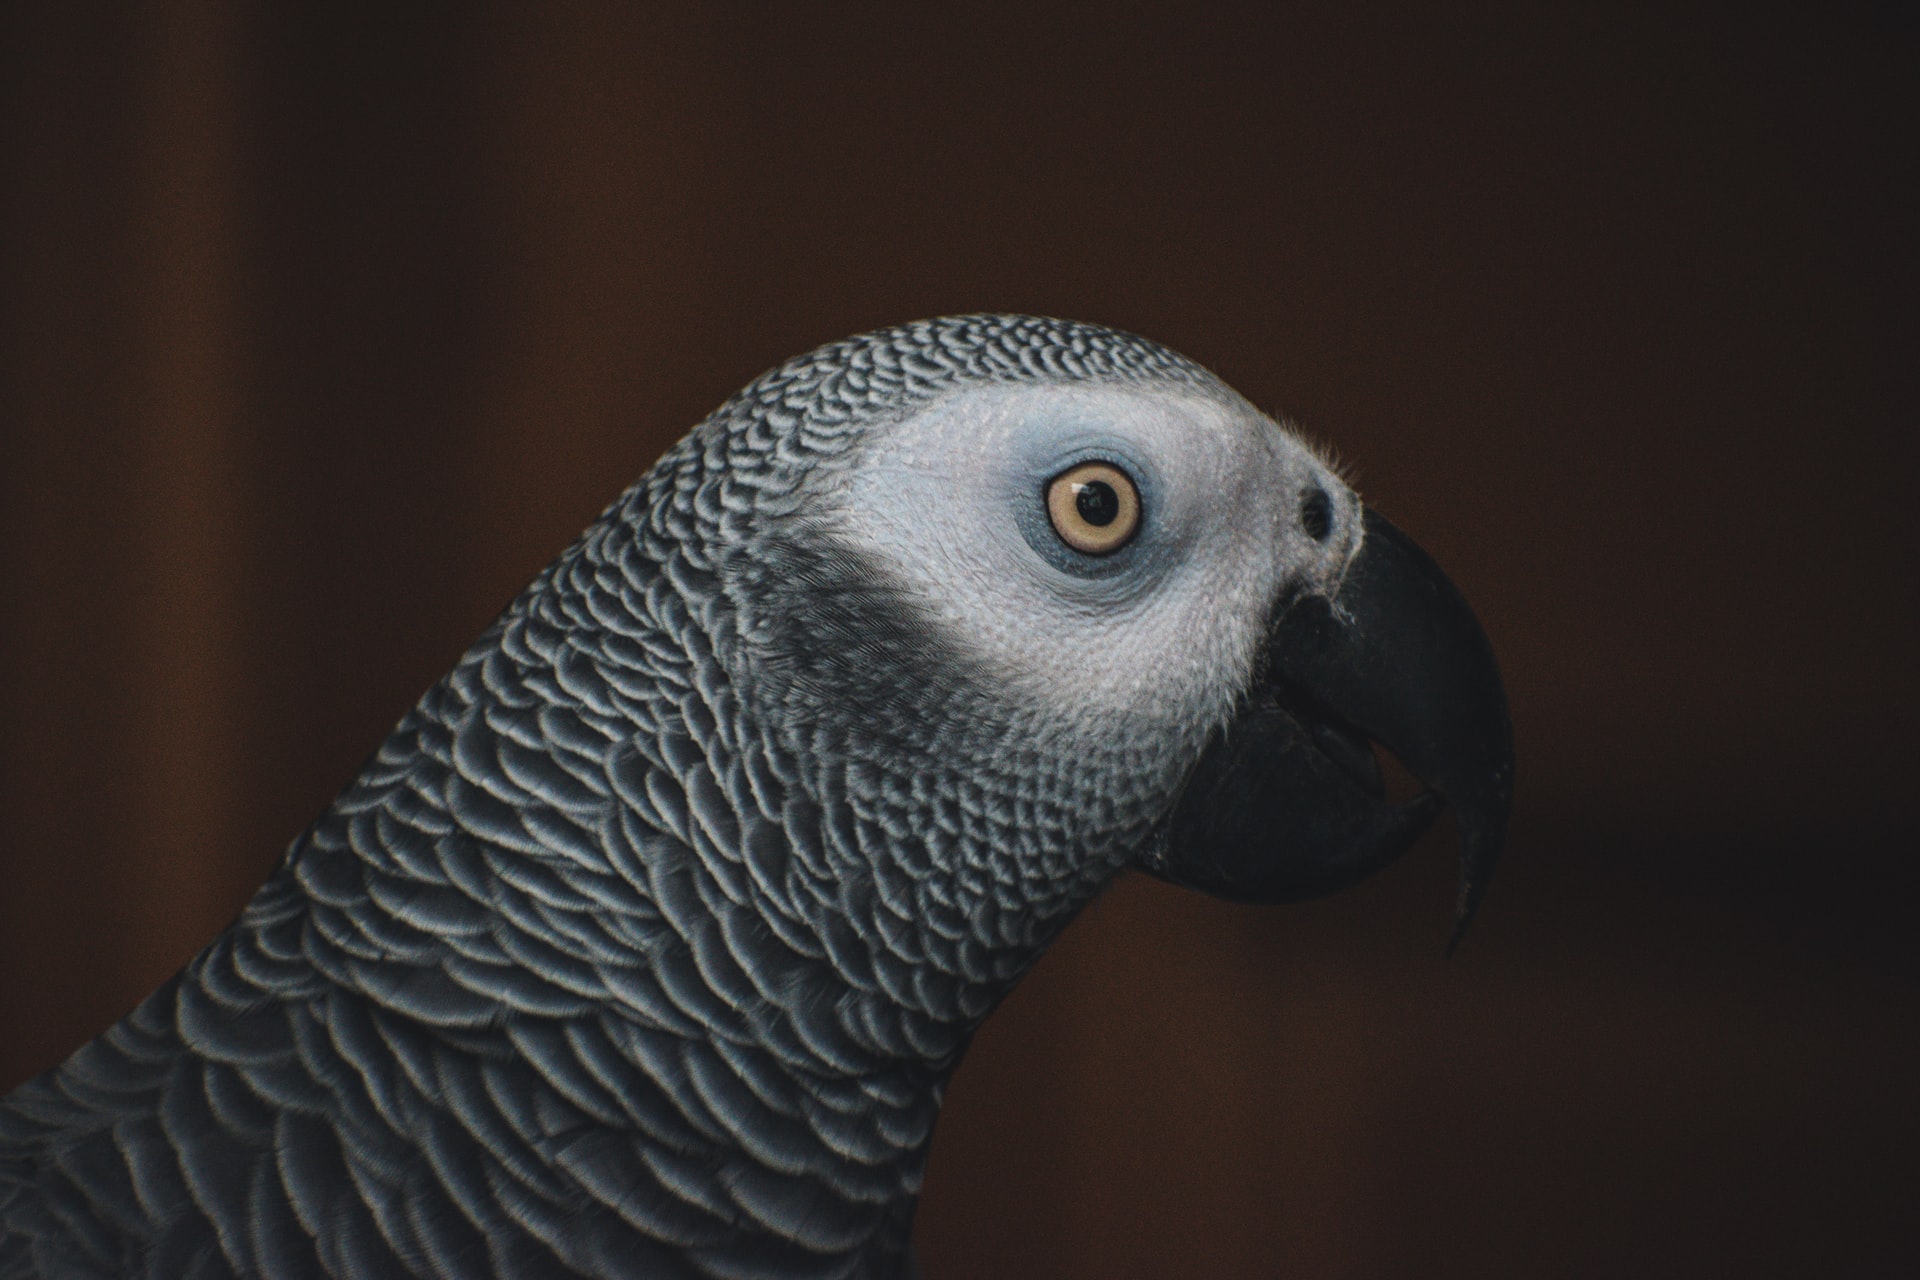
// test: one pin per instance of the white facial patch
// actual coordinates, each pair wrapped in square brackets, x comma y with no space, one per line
[952,501]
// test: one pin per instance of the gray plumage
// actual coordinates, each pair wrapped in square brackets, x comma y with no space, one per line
[646,943]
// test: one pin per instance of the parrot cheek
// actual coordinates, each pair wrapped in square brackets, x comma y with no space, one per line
[1287,803]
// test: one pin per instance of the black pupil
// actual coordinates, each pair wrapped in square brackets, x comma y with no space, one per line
[1097,503]
[1316,515]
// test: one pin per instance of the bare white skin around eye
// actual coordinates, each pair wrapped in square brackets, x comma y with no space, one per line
[1169,631]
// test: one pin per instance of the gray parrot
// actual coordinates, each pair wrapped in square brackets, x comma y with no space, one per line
[646,945]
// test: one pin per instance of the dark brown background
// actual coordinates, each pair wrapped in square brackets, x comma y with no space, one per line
[324,328]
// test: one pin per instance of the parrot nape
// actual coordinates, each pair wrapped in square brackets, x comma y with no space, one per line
[646,944]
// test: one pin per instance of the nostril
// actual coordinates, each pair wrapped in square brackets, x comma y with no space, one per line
[1316,514]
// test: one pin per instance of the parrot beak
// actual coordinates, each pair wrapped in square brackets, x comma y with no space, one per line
[1288,802]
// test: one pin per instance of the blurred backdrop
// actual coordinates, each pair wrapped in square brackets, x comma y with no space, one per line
[322,327]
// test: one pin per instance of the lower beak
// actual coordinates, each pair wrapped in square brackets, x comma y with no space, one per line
[1288,802]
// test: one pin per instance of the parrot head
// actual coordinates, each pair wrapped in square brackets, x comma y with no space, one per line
[1084,608]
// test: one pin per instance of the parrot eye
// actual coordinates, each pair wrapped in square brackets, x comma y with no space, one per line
[1316,514]
[1094,508]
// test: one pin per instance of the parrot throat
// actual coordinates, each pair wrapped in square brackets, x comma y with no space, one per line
[938,833]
